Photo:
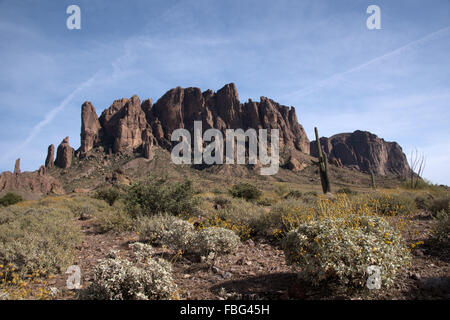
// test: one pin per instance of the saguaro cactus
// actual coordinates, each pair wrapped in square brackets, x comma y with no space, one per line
[323,165]
[374,186]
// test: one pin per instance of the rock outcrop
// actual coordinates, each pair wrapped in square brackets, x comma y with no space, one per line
[64,154]
[295,165]
[129,125]
[364,151]
[90,127]
[17,167]
[49,161]
[29,184]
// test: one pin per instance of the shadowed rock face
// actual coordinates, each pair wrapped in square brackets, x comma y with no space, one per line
[364,151]
[127,125]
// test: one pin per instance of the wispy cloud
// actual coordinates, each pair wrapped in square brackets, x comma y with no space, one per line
[335,78]
[49,117]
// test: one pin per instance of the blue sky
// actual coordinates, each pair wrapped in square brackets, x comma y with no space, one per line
[316,55]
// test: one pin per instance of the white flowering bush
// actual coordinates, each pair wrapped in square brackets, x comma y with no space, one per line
[120,279]
[141,250]
[213,242]
[167,230]
[343,248]
[180,236]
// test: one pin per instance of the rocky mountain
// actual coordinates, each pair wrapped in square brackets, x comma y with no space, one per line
[131,125]
[365,152]
[131,129]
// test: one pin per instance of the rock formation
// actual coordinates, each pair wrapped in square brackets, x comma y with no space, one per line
[295,165]
[364,151]
[49,161]
[29,183]
[17,167]
[90,127]
[129,125]
[64,154]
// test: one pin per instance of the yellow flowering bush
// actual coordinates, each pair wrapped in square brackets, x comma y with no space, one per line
[342,249]
[391,204]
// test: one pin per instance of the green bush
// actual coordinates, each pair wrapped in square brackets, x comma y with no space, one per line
[10,199]
[342,249]
[115,219]
[441,226]
[293,194]
[440,204]
[245,218]
[120,279]
[158,196]
[432,204]
[347,191]
[286,215]
[392,204]
[37,239]
[221,201]
[110,195]
[246,191]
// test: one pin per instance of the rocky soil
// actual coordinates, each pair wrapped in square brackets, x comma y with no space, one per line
[258,270]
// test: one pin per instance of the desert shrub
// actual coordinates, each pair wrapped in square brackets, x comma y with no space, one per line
[37,239]
[221,201]
[246,191]
[392,204]
[342,248]
[179,236]
[110,195]
[78,205]
[114,219]
[213,242]
[266,201]
[439,204]
[160,228]
[244,218]
[441,226]
[83,211]
[158,196]
[281,190]
[309,197]
[9,199]
[287,215]
[141,250]
[293,194]
[120,279]
[347,191]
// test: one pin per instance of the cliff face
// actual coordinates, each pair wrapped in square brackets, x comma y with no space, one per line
[129,125]
[364,151]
